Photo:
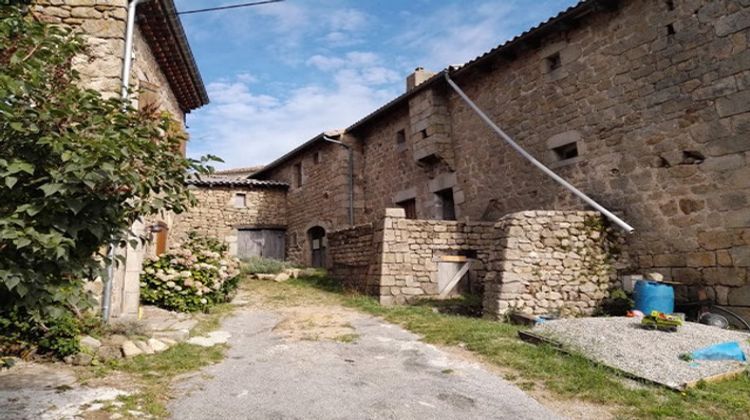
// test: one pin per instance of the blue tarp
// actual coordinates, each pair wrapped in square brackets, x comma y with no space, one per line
[730,350]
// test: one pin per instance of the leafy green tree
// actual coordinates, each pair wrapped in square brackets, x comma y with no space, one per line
[76,170]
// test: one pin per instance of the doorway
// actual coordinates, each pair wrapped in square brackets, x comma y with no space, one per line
[317,239]
[266,243]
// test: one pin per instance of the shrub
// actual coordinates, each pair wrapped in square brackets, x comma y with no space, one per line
[260,265]
[193,277]
[21,336]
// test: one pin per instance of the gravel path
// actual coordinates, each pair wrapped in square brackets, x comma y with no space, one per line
[385,373]
[654,355]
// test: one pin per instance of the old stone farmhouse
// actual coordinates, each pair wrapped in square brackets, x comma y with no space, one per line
[642,104]
[164,74]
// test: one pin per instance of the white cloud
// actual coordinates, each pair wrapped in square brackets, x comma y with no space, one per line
[245,128]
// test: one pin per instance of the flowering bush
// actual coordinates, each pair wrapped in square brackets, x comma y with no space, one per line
[193,277]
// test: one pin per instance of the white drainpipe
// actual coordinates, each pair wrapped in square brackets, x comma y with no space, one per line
[127,55]
[127,61]
[535,162]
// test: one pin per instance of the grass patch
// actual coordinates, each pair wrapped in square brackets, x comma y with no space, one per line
[566,376]
[154,374]
[260,265]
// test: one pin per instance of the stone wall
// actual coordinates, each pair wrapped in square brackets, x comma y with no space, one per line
[321,199]
[552,262]
[662,122]
[537,262]
[353,258]
[216,216]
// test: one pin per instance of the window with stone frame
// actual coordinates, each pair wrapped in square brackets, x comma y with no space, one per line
[148,95]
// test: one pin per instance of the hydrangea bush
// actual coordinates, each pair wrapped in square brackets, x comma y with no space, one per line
[192,277]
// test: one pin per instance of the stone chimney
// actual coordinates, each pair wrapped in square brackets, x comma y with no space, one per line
[415,79]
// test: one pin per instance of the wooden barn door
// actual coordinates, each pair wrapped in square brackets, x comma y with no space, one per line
[266,243]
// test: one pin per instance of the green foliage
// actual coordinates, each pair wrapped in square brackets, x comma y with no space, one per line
[76,170]
[260,265]
[191,278]
[57,336]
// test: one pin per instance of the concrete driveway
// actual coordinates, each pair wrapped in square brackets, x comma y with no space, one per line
[279,367]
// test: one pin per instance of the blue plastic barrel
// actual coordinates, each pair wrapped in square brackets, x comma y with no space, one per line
[653,296]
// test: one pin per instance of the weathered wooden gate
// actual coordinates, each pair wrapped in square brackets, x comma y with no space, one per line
[266,243]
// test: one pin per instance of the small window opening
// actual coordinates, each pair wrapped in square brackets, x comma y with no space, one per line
[554,62]
[400,137]
[566,151]
[240,200]
[670,4]
[670,30]
[447,204]
[424,133]
[298,175]
[317,157]
[410,208]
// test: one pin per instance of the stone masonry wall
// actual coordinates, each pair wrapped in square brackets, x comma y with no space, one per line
[552,262]
[321,200]
[538,262]
[353,258]
[216,216]
[662,118]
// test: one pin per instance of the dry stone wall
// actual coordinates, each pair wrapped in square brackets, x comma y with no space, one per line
[552,262]
[354,261]
[537,262]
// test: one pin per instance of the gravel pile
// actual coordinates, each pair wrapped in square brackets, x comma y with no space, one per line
[654,355]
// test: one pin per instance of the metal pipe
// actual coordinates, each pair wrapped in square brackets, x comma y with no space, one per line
[351,176]
[535,162]
[127,56]
[127,61]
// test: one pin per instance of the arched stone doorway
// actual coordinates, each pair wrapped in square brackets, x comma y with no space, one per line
[316,237]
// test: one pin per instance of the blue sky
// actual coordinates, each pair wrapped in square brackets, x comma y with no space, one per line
[279,74]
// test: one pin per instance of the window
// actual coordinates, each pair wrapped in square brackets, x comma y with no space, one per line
[317,157]
[298,175]
[240,200]
[447,205]
[553,62]
[410,208]
[566,151]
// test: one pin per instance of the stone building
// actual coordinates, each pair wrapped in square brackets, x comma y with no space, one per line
[642,104]
[164,75]
[248,214]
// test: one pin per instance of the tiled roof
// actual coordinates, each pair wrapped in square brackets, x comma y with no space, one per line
[225,181]
[162,29]
[249,170]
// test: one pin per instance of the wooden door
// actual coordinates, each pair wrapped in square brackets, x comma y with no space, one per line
[266,243]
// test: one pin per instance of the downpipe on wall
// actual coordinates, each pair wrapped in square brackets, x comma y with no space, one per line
[611,216]
[351,175]
[127,61]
